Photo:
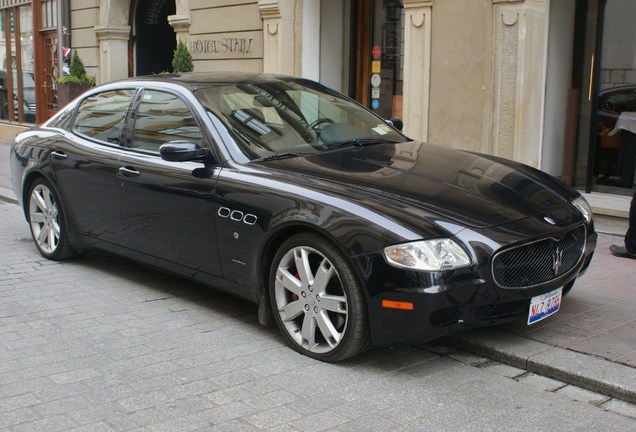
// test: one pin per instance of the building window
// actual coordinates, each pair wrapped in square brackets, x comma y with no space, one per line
[17,83]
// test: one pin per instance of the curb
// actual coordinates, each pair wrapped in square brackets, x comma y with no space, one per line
[582,370]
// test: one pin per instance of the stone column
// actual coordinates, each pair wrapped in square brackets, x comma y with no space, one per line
[113,52]
[519,74]
[279,37]
[113,34]
[181,20]
[417,66]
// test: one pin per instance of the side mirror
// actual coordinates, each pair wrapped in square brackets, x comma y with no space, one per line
[182,151]
[396,123]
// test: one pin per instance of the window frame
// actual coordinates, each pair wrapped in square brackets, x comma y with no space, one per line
[132,120]
[126,119]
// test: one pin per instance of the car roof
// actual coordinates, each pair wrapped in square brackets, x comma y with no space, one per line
[194,80]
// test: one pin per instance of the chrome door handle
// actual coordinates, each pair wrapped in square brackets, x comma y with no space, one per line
[129,172]
[59,155]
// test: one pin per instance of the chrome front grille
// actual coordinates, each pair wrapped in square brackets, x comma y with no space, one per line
[539,262]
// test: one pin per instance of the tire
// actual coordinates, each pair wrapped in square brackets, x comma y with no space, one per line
[317,300]
[47,222]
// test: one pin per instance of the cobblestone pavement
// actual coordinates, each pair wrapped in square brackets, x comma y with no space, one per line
[102,344]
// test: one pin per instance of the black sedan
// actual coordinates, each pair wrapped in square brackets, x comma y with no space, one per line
[292,196]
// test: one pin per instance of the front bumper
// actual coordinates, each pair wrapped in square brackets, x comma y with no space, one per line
[445,303]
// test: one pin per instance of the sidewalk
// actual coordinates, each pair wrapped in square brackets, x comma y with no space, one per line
[590,342]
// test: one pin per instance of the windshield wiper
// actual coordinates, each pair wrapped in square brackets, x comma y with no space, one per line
[361,142]
[285,155]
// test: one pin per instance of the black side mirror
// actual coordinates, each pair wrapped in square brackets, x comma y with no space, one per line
[396,123]
[181,151]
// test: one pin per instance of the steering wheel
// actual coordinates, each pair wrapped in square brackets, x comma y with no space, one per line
[320,121]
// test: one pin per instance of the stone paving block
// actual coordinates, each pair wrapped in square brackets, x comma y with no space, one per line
[272,417]
[136,420]
[48,424]
[186,423]
[467,358]
[15,417]
[75,375]
[230,411]
[315,403]
[93,412]
[272,399]
[18,401]
[628,359]
[62,406]
[322,421]
[244,391]
[582,395]
[233,426]
[503,369]
[620,407]
[104,394]
[540,382]
[94,427]
[144,401]
[367,423]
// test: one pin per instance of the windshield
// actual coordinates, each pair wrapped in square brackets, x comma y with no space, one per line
[292,117]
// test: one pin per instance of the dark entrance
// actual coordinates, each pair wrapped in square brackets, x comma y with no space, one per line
[155,40]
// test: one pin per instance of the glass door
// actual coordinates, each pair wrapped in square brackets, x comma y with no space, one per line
[605,62]
[615,127]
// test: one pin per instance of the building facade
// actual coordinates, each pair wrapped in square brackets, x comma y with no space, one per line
[529,80]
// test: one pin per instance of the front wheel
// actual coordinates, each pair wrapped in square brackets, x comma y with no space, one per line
[46,219]
[317,299]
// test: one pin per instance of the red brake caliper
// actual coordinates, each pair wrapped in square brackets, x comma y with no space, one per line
[295,296]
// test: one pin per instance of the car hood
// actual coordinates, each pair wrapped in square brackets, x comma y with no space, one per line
[472,189]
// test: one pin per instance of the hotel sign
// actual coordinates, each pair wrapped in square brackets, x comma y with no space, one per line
[227,46]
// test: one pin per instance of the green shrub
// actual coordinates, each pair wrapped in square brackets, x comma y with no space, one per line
[182,60]
[77,72]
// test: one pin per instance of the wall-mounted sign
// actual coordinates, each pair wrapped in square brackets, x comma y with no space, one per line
[227,45]
[376,66]
[375,104]
[375,93]
[375,80]
[376,52]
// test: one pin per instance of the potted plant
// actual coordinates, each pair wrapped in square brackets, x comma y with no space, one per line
[75,83]
[182,60]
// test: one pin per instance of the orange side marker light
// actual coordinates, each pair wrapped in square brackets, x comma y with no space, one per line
[392,304]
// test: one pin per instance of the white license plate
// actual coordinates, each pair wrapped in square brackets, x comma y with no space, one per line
[544,305]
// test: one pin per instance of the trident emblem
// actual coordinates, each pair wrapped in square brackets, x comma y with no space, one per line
[557,260]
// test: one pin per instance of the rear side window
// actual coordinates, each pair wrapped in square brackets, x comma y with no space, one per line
[161,118]
[102,116]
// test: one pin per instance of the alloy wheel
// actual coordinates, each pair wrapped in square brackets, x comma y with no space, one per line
[311,300]
[44,219]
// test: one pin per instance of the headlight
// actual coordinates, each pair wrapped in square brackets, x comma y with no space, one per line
[582,205]
[427,255]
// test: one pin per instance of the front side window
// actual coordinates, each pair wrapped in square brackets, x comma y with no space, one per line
[102,116]
[161,118]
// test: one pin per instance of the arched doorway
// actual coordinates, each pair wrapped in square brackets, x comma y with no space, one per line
[155,40]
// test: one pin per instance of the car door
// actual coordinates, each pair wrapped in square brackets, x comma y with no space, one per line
[167,208]
[84,164]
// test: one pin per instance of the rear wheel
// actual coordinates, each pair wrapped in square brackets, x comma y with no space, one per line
[317,299]
[46,219]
